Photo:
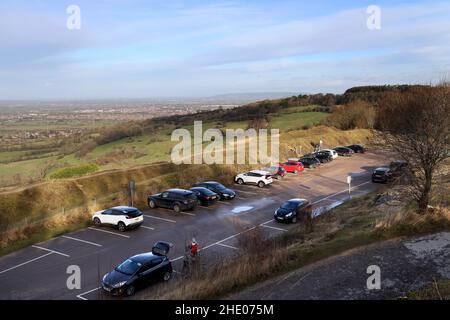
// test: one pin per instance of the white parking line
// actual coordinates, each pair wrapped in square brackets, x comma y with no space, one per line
[149,228]
[279,229]
[153,217]
[334,194]
[188,213]
[182,212]
[110,232]
[254,193]
[227,246]
[26,262]
[80,240]
[80,296]
[53,251]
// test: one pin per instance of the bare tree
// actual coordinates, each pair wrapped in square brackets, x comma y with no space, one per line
[416,125]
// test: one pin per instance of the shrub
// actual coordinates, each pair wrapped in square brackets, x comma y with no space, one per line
[71,172]
[358,114]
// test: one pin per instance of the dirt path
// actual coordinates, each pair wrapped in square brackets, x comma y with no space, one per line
[405,265]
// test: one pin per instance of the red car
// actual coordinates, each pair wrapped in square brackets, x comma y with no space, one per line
[293,166]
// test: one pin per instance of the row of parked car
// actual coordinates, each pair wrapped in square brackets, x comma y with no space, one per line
[265,176]
[208,192]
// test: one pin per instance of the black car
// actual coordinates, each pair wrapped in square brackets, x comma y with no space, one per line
[323,156]
[176,199]
[205,197]
[309,162]
[292,209]
[223,192]
[139,271]
[382,175]
[344,151]
[357,148]
[399,167]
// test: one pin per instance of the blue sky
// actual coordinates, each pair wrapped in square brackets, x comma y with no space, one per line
[140,49]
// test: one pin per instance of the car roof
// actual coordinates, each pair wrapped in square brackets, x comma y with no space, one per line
[184,191]
[144,257]
[124,208]
[209,182]
[262,172]
[298,200]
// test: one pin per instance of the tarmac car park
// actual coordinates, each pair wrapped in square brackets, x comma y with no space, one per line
[96,248]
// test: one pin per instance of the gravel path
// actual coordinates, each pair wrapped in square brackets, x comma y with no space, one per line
[405,265]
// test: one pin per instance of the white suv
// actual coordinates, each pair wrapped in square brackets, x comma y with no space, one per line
[122,217]
[257,177]
[332,152]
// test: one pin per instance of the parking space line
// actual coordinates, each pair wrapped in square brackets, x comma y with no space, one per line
[182,212]
[26,262]
[110,232]
[53,251]
[249,192]
[81,240]
[80,296]
[227,246]
[163,219]
[188,213]
[149,228]
[346,190]
[279,229]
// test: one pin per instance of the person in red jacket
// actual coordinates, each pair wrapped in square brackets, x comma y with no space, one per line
[194,247]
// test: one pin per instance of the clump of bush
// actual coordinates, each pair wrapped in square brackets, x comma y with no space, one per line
[357,114]
[76,171]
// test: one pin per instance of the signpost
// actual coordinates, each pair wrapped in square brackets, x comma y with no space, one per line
[132,187]
[349,181]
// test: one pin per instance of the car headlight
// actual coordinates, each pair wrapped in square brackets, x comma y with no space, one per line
[120,284]
[226,194]
[290,214]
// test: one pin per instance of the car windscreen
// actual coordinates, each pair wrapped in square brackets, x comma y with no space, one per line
[132,213]
[218,186]
[207,192]
[189,195]
[289,205]
[128,267]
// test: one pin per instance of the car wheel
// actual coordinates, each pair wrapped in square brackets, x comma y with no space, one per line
[97,221]
[130,291]
[199,202]
[296,171]
[121,226]
[294,219]
[167,276]
[240,181]
[152,204]
[261,184]
[176,208]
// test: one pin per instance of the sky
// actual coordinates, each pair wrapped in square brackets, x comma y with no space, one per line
[146,48]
